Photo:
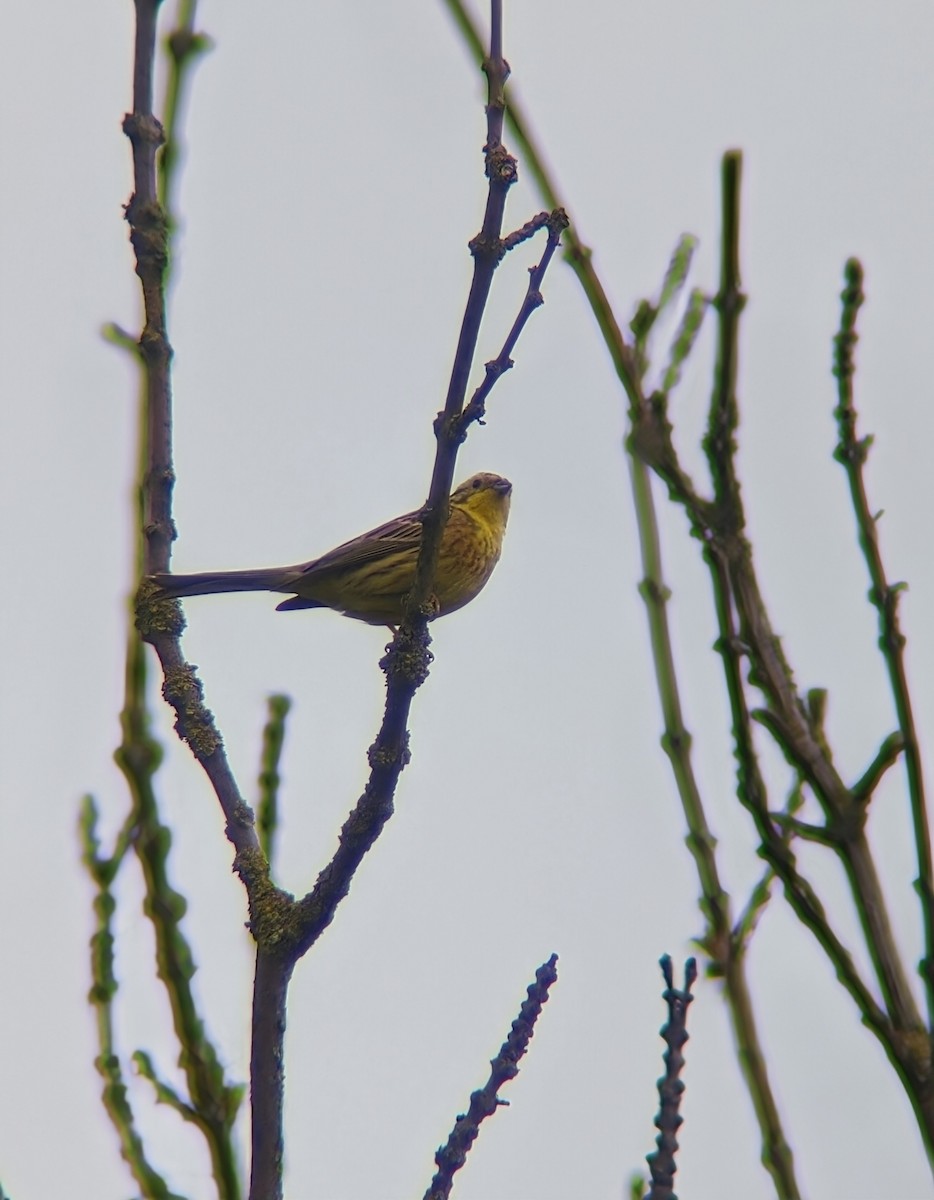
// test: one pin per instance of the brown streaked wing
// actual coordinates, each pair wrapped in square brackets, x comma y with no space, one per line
[401,533]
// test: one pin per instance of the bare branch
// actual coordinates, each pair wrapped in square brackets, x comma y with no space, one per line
[670,1087]
[483,1103]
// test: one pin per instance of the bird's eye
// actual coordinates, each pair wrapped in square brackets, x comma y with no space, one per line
[476,483]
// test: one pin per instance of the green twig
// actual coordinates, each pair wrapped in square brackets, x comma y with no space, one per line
[104,987]
[184,46]
[887,756]
[165,1093]
[720,442]
[684,339]
[267,809]
[761,893]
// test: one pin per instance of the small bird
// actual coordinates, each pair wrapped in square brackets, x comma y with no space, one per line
[369,577]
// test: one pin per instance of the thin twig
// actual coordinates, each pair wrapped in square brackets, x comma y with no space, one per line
[104,986]
[662,1165]
[487,250]
[555,223]
[886,756]
[185,46]
[720,443]
[267,809]
[483,1103]
[852,451]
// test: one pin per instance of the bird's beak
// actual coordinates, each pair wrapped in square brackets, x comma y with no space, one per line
[503,486]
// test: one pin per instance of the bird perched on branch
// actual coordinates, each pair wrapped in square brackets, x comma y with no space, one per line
[370,577]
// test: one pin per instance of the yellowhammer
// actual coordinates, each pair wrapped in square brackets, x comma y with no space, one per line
[369,578]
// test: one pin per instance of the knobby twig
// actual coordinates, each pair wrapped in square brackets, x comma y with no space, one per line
[555,222]
[662,1165]
[852,452]
[483,1103]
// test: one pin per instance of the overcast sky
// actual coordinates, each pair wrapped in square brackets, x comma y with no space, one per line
[333,178]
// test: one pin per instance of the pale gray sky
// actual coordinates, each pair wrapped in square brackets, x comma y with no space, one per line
[332,182]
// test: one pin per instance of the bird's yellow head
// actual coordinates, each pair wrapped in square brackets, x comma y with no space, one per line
[486,497]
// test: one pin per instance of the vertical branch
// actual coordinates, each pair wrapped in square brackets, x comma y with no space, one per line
[213,1103]
[267,810]
[720,444]
[852,452]
[184,47]
[149,237]
[730,555]
[670,1086]
[487,249]
[726,952]
[267,1077]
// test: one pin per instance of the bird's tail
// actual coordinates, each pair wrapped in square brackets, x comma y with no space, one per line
[268,579]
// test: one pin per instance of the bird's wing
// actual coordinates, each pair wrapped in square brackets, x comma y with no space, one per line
[399,534]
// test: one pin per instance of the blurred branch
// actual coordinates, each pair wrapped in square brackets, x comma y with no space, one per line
[483,1103]
[104,986]
[184,47]
[212,1102]
[164,1092]
[852,452]
[886,757]
[267,810]
[745,631]
[720,942]
[720,442]
[762,892]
